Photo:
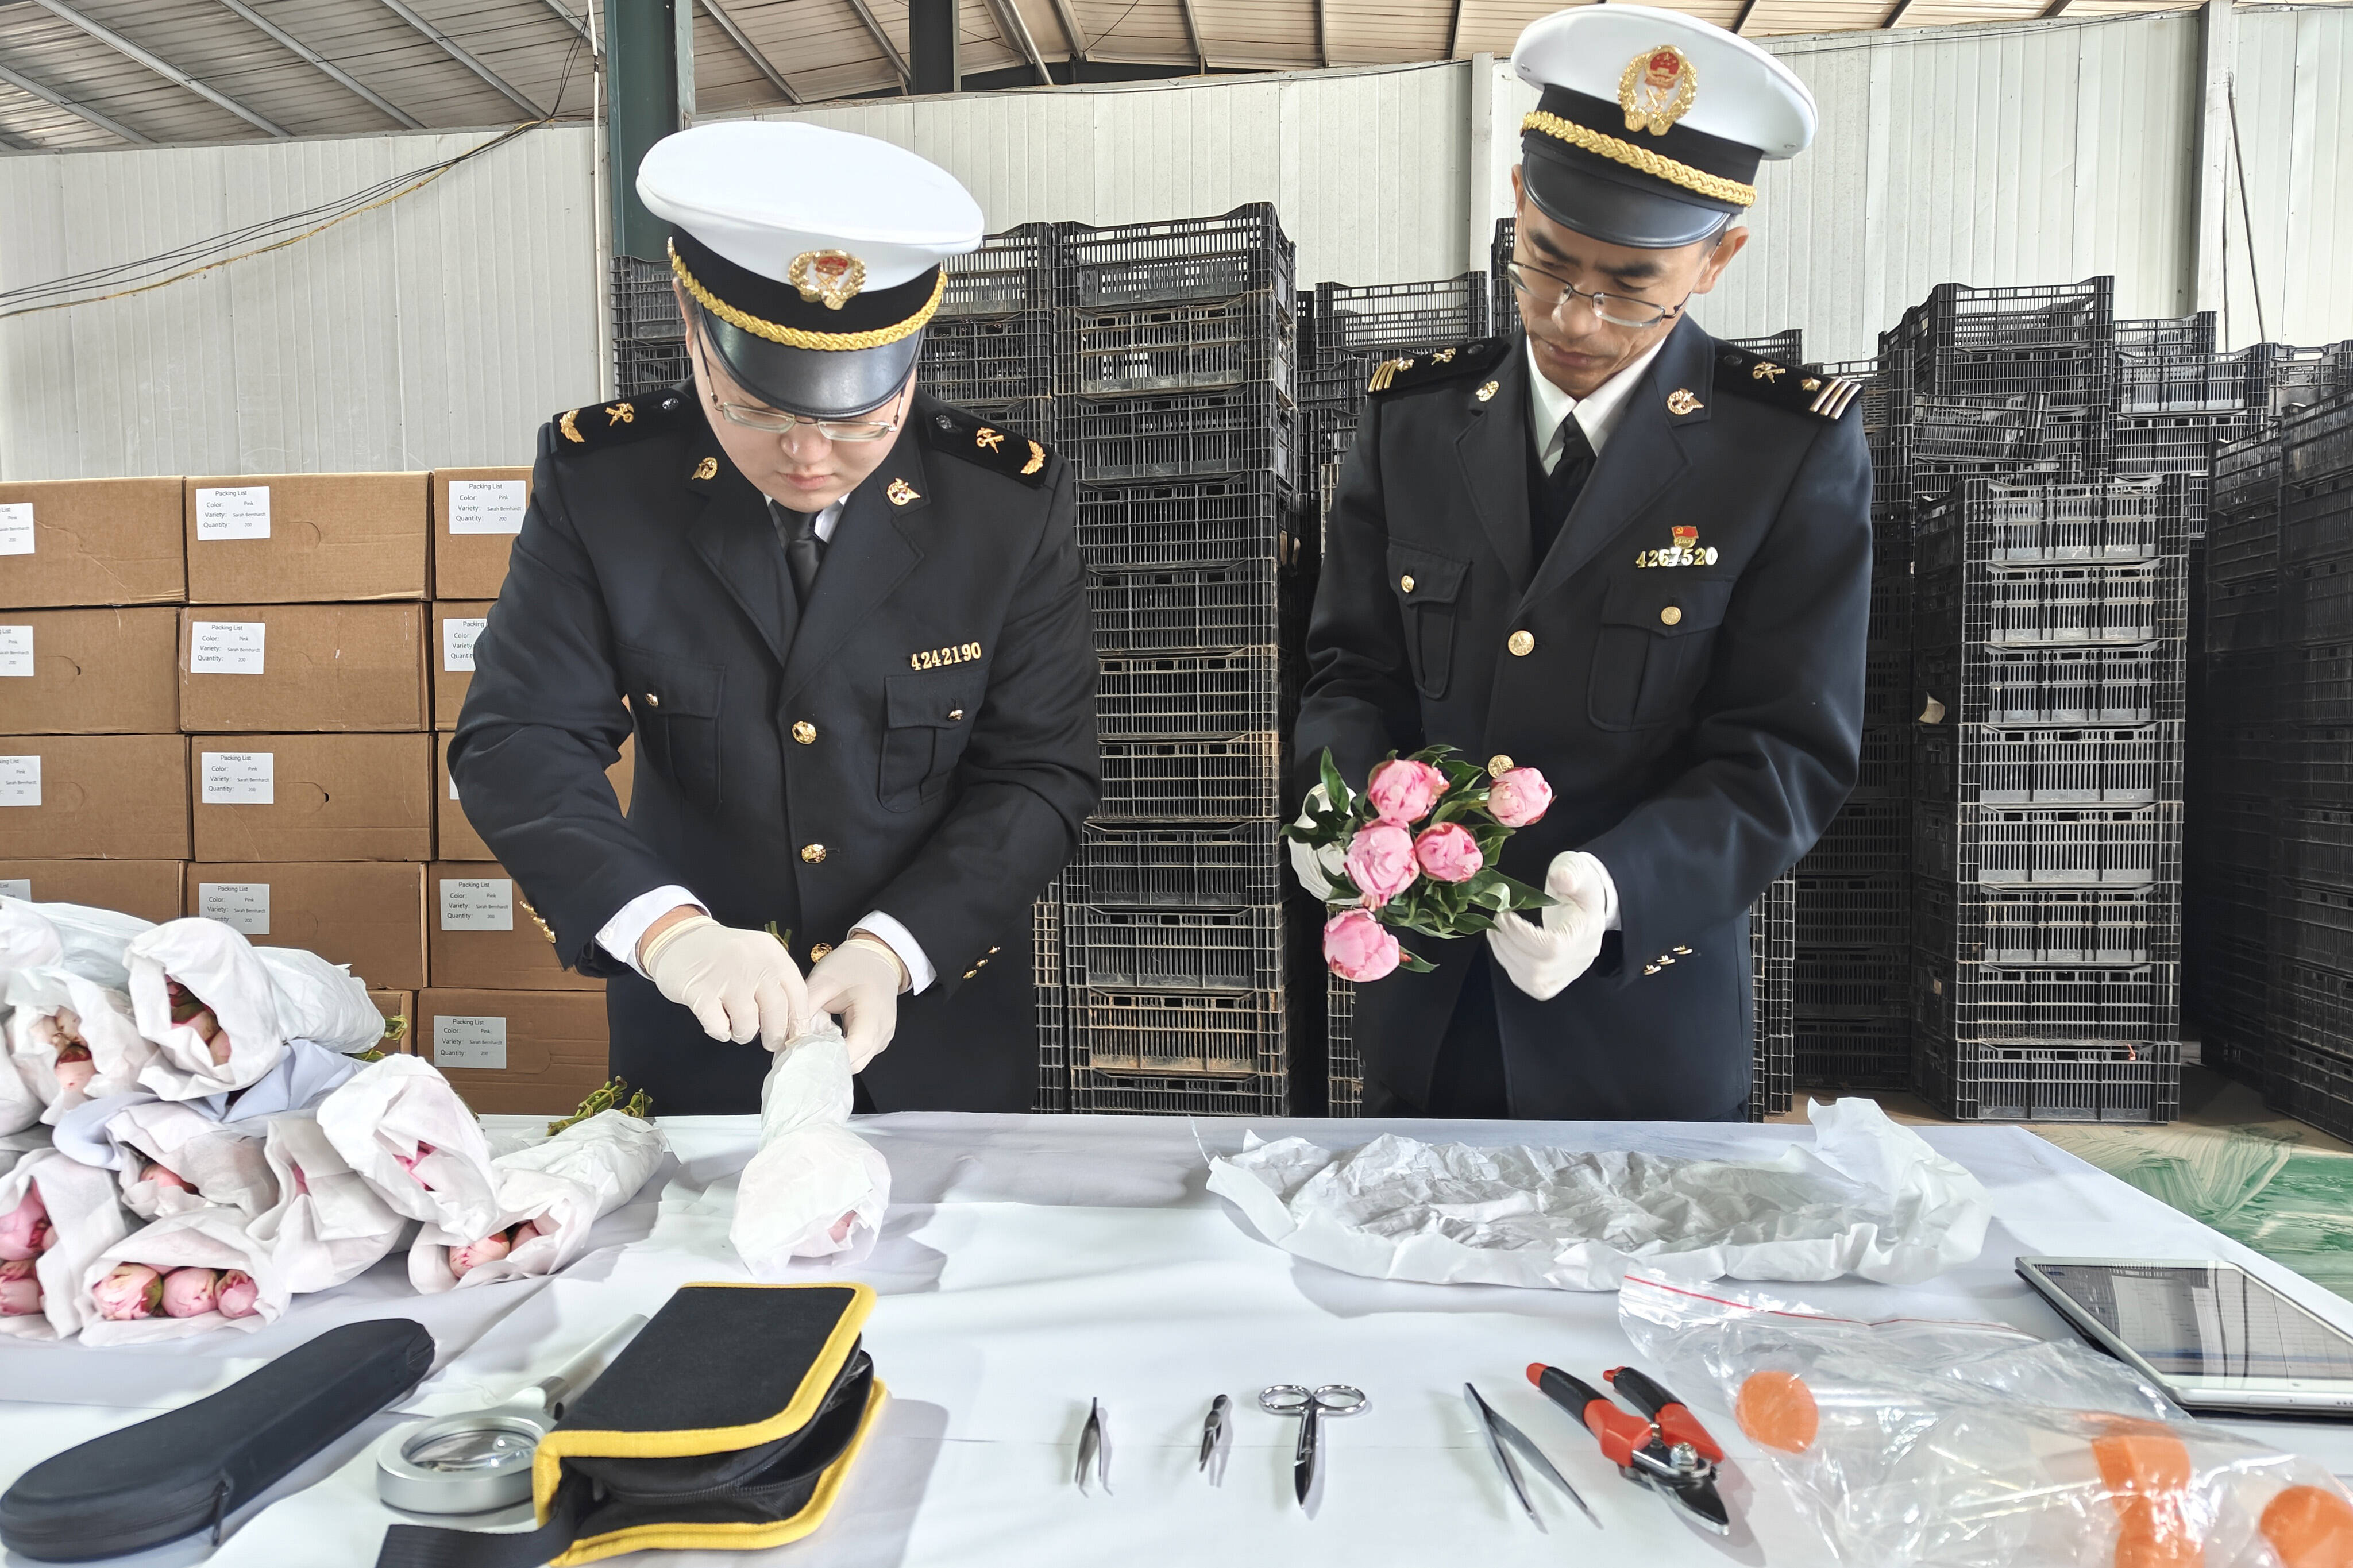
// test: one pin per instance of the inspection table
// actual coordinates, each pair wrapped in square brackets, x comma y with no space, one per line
[1029,1264]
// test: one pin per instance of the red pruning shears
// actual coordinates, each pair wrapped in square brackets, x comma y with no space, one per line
[1664,1447]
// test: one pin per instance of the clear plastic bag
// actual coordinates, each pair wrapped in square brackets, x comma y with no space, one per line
[1960,1444]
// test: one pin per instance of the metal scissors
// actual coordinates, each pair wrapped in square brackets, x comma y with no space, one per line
[1500,1432]
[1311,1405]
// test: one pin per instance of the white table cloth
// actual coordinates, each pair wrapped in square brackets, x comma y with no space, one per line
[1029,1264]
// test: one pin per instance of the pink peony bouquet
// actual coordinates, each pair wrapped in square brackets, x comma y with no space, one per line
[132,1290]
[464,1260]
[1417,852]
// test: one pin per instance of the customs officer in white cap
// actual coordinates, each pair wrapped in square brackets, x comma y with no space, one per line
[1613,547]
[849,628]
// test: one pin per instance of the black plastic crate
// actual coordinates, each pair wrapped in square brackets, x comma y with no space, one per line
[1344,1063]
[2160,382]
[2315,601]
[2316,685]
[1143,610]
[1786,346]
[1883,769]
[1851,911]
[1852,981]
[1054,1010]
[2316,442]
[2170,336]
[2315,521]
[2075,376]
[2311,841]
[1178,347]
[1190,696]
[2175,443]
[1242,430]
[2244,542]
[2020,686]
[639,368]
[2314,762]
[1121,266]
[1192,781]
[2311,1083]
[1399,316]
[1866,839]
[1186,950]
[1853,1053]
[1999,434]
[2037,524]
[645,304]
[2020,847]
[2071,1004]
[2238,759]
[2241,833]
[1225,866]
[1973,1082]
[2247,473]
[2243,615]
[1009,273]
[1995,765]
[1503,300]
[1189,1033]
[2128,602]
[2296,378]
[988,358]
[1185,523]
[2062,315]
[2048,927]
[2311,1004]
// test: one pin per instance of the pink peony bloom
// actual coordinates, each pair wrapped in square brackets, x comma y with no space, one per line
[20,1228]
[1380,862]
[17,1269]
[464,1260]
[20,1295]
[190,1292]
[133,1290]
[527,1231]
[1448,853]
[1358,947]
[1519,797]
[237,1294]
[1404,791]
[165,1177]
[302,1182]
[74,1072]
[841,1228]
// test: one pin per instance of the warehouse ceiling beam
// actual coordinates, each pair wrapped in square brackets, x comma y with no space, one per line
[169,73]
[456,51]
[56,99]
[1894,13]
[1074,35]
[1454,32]
[1322,36]
[882,41]
[1193,36]
[751,51]
[2056,8]
[1747,9]
[1016,34]
[11,140]
[336,73]
[577,23]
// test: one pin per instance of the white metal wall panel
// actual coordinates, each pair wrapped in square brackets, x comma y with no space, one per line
[439,331]
[2291,236]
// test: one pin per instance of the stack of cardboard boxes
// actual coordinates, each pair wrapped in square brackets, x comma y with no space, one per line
[233,697]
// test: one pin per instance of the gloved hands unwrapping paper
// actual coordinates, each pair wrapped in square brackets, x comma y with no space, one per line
[814,1188]
[1868,1198]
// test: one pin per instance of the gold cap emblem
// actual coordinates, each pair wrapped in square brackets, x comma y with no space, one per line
[1657,90]
[1681,401]
[707,469]
[900,493]
[832,276]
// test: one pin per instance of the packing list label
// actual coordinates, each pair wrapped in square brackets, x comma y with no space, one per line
[241,906]
[238,511]
[463,1042]
[487,505]
[240,778]
[16,528]
[16,650]
[476,903]
[16,888]
[226,647]
[20,780]
[457,635]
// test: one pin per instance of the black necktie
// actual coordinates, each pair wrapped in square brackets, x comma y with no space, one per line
[804,550]
[1562,486]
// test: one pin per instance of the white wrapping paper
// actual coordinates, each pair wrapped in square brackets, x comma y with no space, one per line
[202,1238]
[27,940]
[15,1146]
[102,1017]
[815,1189]
[223,1163]
[564,1185]
[1869,1199]
[330,1225]
[218,967]
[81,1204]
[20,1107]
[401,1110]
[321,1002]
[90,941]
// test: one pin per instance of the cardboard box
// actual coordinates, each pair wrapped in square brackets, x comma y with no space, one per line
[89,672]
[312,797]
[477,513]
[399,1010]
[369,914]
[92,542]
[291,539]
[148,889]
[457,838]
[455,623]
[537,1053]
[303,667]
[483,936]
[94,798]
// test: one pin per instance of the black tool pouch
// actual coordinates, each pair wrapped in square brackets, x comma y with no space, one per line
[729,1421]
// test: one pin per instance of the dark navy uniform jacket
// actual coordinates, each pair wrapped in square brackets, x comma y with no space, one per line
[1696,700]
[920,740]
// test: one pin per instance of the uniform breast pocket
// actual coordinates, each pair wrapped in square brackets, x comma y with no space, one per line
[1657,637]
[927,719]
[1429,589]
[676,702]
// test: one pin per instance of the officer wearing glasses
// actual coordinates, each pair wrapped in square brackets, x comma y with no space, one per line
[1615,549]
[849,628]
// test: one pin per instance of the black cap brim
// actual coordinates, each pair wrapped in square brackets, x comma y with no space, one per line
[1587,194]
[817,383]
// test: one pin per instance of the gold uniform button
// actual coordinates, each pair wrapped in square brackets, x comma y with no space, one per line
[956,715]
[804,732]
[1405,583]
[1498,765]
[1671,615]
[1522,643]
[818,952]
[813,853]
[652,700]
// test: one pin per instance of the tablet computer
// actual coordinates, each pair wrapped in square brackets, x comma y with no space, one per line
[2211,1335]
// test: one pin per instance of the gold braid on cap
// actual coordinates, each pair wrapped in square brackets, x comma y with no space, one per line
[794,337]
[1715,187]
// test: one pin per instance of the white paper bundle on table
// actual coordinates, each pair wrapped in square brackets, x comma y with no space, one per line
[72,1039]
[321,1002]
[559,1188]
[814,1188]
[57,1215]
[90,941]
[329,1224]
[135,1292]
[201,992]
[20,1107]
[15,1146]
[171,1158]
[27,940]
[400,1125]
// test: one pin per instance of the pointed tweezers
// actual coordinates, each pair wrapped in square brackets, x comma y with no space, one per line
[1494,1427]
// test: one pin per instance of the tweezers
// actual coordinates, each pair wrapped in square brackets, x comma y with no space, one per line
[1214,1433]
[1498,1432]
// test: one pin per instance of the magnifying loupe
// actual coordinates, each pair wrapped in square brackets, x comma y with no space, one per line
[481,1460]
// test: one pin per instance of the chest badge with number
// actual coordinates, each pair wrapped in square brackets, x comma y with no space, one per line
[1686,550]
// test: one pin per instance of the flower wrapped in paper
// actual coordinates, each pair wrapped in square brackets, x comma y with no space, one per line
[406,1131]
[73,1218]
[551,1194]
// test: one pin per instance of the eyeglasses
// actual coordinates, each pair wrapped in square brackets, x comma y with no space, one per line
[1548,294]
[776,422]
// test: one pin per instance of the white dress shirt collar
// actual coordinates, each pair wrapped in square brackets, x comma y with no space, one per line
[1597,415]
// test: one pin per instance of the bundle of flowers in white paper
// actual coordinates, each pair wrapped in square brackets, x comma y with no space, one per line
[321,1002]
[329,1224]
[550,1195]
[27,940]
[90,941]
[200,992]
[56,1216]
[15,1146]
[184,1274]
[814,1188]
[71,1040]
[400,1125]
[170,1158]
[19,1107]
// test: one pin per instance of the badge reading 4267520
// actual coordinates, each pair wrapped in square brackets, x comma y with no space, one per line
[1686,550]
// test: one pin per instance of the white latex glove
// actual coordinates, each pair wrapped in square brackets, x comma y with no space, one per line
[1315,868]
[860,981]
[741,985]
[1542,958]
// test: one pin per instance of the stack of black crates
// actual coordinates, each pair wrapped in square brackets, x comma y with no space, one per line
[1174,391]
[649,337]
